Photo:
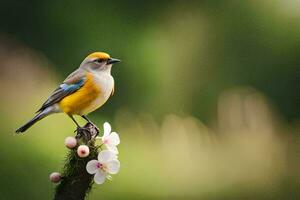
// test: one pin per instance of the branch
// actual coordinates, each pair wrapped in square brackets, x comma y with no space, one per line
[76,182]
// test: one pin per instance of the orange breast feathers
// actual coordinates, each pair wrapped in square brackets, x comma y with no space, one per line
[79,101]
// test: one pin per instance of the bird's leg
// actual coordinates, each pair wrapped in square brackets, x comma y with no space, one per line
[74,120]
[89,121]
[81,131]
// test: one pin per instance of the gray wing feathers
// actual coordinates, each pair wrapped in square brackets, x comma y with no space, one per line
[75,76]
[71,84]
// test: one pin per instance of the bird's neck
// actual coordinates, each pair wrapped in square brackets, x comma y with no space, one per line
[104,70]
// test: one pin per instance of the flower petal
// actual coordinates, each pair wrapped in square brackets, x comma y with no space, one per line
[113,166]
[105,156]
[107,129]
[112,148]
[99,177]
[114,139]
[91,166]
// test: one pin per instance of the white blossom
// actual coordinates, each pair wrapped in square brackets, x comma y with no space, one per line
[110,139]
[106,164]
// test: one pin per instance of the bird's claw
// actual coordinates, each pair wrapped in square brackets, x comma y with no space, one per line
[83,132]
[95,127]
[88,132]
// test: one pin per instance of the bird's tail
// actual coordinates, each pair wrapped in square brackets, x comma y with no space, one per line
[36,118]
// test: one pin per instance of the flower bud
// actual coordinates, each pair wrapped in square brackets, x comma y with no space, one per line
[70,142]
[55,177]
[83,151]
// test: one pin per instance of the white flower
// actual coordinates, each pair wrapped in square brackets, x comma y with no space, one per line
[106,164]
[110,139]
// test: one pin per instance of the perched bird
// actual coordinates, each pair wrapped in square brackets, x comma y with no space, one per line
[82,92]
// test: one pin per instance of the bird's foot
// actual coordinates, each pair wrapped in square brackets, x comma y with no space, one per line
[83,132]
[95,127]
[88,132]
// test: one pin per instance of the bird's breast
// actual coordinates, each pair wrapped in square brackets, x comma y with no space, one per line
[93,94]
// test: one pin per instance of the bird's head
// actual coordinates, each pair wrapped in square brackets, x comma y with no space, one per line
[98,61]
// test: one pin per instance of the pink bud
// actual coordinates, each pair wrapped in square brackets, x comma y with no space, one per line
[83,151]
[70,142]
[55,177]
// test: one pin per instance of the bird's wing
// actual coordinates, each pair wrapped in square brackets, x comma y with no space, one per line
[71,84]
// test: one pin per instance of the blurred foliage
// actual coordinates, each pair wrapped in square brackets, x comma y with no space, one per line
[188,52]
[206,101]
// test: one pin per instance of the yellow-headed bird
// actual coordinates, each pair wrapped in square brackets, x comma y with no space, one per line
[82,92]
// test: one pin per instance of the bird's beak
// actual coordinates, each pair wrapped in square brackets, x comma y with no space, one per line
[112,61]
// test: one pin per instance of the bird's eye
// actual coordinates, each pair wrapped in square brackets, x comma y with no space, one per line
[99,60]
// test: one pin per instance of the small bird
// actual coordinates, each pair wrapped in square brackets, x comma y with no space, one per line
[82,92]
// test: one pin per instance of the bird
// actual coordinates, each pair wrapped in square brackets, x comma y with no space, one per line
[82,92]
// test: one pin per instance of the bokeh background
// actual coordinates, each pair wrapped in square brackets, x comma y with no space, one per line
[206,100]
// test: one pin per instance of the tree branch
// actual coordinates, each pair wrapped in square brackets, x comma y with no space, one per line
[76,182]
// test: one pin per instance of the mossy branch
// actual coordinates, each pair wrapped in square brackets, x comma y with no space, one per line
[76,182]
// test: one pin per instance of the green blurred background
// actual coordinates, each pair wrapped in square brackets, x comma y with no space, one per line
[206,100]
